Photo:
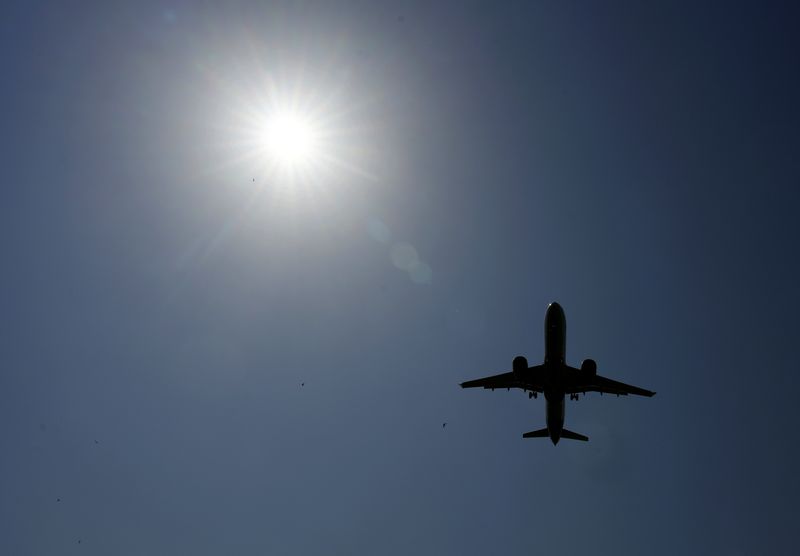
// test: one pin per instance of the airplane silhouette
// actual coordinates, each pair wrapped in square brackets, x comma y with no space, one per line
[555,378]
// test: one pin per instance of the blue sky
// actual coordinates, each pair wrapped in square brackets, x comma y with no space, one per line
[165,294]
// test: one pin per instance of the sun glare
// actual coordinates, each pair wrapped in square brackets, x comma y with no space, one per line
[286,128]
[290,140]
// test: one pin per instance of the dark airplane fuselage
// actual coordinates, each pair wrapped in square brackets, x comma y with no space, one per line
[555,348]
[555,378]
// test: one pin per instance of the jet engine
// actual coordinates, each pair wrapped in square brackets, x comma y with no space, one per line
[520,366]
[589,367]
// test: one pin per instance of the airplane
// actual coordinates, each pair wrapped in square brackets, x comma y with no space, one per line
[555,378]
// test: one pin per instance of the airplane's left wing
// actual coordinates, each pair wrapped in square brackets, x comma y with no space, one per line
[504,380]
[604,385]
[531,381]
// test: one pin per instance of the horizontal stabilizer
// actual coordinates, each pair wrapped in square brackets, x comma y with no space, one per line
[573,435]
[541,433]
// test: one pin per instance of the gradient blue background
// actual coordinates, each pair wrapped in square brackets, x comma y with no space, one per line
[637,163]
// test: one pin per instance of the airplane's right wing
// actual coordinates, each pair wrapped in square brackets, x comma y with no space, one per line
[609,386]
[603,385]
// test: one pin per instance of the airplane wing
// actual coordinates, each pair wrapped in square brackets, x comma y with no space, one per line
[604,385]
[531,382]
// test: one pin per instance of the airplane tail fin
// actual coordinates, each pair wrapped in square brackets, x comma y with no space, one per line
[544,433]
[541,433]
[573,435]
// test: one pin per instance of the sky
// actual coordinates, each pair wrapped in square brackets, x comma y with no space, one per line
[205,352]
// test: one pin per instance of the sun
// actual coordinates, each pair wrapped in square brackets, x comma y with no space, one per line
[291,128]
[290,139]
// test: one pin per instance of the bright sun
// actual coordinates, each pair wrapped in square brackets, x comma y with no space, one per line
[287,131]
[291,140]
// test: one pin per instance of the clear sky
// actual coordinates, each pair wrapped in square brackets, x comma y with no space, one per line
[167,285]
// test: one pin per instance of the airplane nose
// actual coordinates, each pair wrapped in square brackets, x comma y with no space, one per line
[554,308]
